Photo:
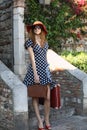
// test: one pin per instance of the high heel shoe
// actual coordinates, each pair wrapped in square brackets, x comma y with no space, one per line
[41,129]
[48,127]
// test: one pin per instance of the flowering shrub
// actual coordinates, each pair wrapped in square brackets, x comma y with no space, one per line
[78,6]
[59,18]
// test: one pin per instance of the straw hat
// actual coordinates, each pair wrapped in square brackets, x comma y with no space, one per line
[29,27]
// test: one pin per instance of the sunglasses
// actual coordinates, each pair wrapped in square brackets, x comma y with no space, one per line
[37,27]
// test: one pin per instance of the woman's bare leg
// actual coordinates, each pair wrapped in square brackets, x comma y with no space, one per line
[47,107]
[36,108]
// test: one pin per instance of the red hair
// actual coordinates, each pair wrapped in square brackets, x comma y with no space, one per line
[42,36]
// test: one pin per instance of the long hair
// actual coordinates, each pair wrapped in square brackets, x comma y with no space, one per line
[42,36]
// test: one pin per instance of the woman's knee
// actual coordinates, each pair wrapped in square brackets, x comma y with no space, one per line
[47,99]
[34,99]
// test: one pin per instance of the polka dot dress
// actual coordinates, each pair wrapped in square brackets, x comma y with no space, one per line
[42,66]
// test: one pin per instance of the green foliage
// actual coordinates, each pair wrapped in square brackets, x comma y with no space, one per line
[58,18]
[78,59]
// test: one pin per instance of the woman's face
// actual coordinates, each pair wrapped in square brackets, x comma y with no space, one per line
[37,29]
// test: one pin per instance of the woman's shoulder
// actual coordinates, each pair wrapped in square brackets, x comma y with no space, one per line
[28,43]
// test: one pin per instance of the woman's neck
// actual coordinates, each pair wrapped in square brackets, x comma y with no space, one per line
[37,39]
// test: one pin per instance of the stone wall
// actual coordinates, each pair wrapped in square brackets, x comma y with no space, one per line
[13,101]
[6,46]
[6,107]
[72,45]
[71,90]
[73,82]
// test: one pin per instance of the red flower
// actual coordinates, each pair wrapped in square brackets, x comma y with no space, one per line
[81,2]
[79,36]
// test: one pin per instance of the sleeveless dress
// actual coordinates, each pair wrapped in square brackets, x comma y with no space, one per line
[42,65]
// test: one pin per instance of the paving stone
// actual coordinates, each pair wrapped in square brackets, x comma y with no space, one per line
[67,123]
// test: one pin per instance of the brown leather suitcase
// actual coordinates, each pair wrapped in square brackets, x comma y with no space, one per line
[55,97]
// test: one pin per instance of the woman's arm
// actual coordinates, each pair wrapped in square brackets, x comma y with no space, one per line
[31,53]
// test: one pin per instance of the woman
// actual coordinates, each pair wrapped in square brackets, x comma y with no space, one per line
[38,71]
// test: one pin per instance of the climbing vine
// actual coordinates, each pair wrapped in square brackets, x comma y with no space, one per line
[58,17]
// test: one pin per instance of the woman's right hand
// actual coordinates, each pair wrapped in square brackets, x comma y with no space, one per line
[36,78]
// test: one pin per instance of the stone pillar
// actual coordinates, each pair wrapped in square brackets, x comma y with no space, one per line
[18,37]
[21,117]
